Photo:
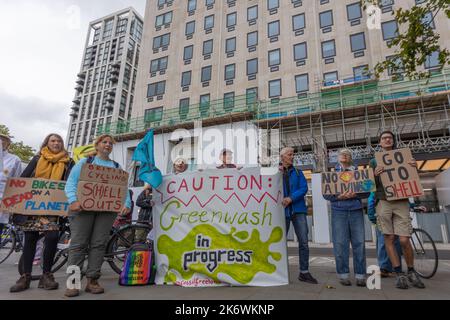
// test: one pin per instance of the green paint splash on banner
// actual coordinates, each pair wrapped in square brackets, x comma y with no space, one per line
[240,272]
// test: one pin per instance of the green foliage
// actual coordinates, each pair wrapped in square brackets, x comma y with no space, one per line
[24,152]
[416,39]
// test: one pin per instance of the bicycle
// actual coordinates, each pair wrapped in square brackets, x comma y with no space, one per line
[121,240]
[11,240]
[426,257]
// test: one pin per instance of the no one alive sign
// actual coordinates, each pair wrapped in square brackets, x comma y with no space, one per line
[102,189]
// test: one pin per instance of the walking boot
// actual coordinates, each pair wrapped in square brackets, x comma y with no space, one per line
[71,293]
[47,282]
[22,284]
[93,286]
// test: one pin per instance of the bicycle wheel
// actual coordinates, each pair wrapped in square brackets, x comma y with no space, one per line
[7,243]
[425,253]
[121,241]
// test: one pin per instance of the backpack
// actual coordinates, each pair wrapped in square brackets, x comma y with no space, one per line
[91,160]
[139,268]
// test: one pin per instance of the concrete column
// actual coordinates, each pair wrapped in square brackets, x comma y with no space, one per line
[320,208]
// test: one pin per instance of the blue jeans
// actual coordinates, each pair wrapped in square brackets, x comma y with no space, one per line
[382,256]
[348,227]
[301,231]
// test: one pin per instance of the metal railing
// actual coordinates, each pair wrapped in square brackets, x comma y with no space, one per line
[343,95]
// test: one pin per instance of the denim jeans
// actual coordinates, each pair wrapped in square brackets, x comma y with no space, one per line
[382,256]
[348,227]
[301,231]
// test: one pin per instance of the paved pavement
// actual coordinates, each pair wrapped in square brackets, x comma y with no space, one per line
[322,267]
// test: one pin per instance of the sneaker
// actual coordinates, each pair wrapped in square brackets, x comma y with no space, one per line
[414,278]
[361,282]
[401,282]
[307,277]
[345,282]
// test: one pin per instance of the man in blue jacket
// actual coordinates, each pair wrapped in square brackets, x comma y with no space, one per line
[295,188]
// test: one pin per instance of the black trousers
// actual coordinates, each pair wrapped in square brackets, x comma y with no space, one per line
[29,250]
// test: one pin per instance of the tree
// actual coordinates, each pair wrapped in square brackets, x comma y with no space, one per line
[24,152]
[419,40]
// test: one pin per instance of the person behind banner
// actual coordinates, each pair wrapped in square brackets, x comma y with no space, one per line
[347,223]
[90,230]
[295,188]
[145,203]
[226,157]
[393,219]
[12,167]
[126,219]
[179,166]
[53,163]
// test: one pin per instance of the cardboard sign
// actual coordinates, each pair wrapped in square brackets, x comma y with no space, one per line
[32,196]
[220,227]
[359,181]
[102,189]
[400,180]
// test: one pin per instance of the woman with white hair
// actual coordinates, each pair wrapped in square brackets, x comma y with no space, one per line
[347,222]
[179,165]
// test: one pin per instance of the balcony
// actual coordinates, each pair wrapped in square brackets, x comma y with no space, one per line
[114,79]
[79,88]
[110,99]
[82,75]
[109,106]
[115,72]
[116,64]
[74,115]
[80,82]
[77,100]
[75,108]
[111,93]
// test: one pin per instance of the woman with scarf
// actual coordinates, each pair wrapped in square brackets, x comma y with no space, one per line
[52,163]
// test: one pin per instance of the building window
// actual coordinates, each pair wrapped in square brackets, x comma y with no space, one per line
[330,78]
[230,45]
[153,115]
[428,20]
[361,72]
[275,88]
[161,41]
[163,19]
[252,39]
[272,4]
[209,2]
[184,107]
[274,57]
[207,47]
[209,22]
[328,49]
[326,19]
[228,101]
[231,19]
[386,3]
[300,51]
[188,52]
[190,28]
[354,11]
[432,61]
[159,64]
[398,70]
[192,5]
[252,67]
[230,72]
[251,96]
[301,83]
[273,29]
[389,29]
[206,74]
[186,78]
[107,32]
[156,89]
[298,22]
[252,13]
[357,42]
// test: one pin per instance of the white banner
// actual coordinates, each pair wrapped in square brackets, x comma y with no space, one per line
[220,227]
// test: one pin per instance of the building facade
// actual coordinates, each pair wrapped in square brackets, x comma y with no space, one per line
[303,68]
[105,86]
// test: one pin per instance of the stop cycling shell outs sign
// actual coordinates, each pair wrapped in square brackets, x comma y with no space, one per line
[220,227]
[102,189]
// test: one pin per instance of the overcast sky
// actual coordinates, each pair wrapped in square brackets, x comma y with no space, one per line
[42,44]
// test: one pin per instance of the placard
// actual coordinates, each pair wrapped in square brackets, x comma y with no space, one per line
[358,181]
[102,189]
[400,180]
[32,196]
